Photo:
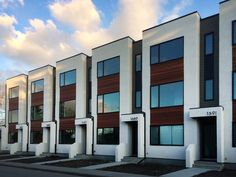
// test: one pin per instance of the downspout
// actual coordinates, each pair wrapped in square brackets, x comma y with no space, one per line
[55,137]
[27,122]
[145,147]
[92,135]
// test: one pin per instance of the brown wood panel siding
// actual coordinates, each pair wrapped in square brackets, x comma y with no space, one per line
[109,84]
[37,99]
[67,123]
[167,116]
[234,111]
[234,58]
[36,125]
[12,127]
[13,103]
[169,71]
[108,120]
[68,92]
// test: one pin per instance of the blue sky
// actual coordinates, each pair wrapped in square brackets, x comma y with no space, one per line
[29,38]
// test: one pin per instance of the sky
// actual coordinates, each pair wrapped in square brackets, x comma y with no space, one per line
[34,33]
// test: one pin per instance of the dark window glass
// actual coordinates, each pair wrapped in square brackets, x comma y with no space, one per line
[108,136]
[154,97]
[90,106]
[234,134]
[138,99]
[171,94]
[138,63]
[109,102]
[209,43]
[154,137]
[234,32]
[13,116]
[167,135]
[68,78]
[37,112]
[14,92]
[89,74]
[172,50]
[36,137]
[234,85]
[12,137]
[37,86]
[67,136]
[67,109]
[209,90]
[108,67]
[154,54]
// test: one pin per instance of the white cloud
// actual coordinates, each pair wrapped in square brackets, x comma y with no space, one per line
[6,3]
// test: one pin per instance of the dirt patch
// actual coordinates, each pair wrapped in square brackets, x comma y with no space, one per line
[79,163]
[224,173]
[39,159]
[145,169]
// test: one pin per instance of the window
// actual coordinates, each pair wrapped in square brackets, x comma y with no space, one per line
[37,112]
[234,32]
[234,134]
[166,51]
[234,85]
[67,109]
[138,99]
[209,44]
[36,137]
[37,86]
[14,92]
[167,95]
[68,78]
[108,136]
[167,135]
[12,137]
[67,136]
[209,90]
[90,74]
[109,103]
[138,63]
[138,81]
[13,116]
[108,67]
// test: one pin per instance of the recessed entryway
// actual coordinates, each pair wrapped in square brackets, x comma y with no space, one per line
[134,138]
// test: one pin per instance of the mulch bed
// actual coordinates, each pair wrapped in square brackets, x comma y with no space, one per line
[5,157]
[224,173]
[145,169]
[39,159]
[79,163]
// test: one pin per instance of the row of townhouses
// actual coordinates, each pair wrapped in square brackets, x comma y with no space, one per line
[170,95]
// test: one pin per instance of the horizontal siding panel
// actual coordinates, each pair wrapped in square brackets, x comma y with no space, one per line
[109,84]
[13,103]
[67,123]
[108,120]
[37,99]
[68,92]
[234,58]
[36,125]
[167,116]
[12,127]
[169,71]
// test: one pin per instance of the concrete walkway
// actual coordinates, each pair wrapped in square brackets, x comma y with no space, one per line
[104,165]
[190,172]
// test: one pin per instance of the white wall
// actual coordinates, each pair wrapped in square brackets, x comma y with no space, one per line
[78,62]
[47,74]
[122,48]
[227,15]
[189,28]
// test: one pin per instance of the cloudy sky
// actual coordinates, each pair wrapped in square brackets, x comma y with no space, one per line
[39,32]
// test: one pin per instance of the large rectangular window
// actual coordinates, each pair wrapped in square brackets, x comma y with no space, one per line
[68,78]
[166,51]
[37,112]
[12,137]
[14,92]
[209,44]
[109,103]
[37,86]
[36,137]
[167,135]
[108,136]
[67,109]
[209,90]
[67,136]
[234,32]
[154,96]
[138,99]
[138,81]
[108,67]
[13,116]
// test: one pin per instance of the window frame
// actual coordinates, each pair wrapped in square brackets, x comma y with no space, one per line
[60,140]
[11,118]
[65,117]
[113,133]
[31,117]
[102,62]
[102,95]
[64,73]
[159,144]
[213,93]
[158,102]
[138,90]
[31,140]
[9,142]
[32,92]
[158,56]
[234,72]
[233,34]
[213,42]
[11,94]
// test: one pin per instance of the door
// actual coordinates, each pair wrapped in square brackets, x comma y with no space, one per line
[134,126]
[208,138]
[84,138]
[48,138]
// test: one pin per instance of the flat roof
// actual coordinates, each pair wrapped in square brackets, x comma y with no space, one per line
[22,74]
[72,57]
[41,68]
